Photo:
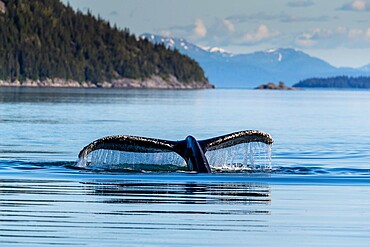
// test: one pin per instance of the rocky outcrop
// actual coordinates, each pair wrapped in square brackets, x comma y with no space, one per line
[2,7]
[155,82]
[273,86]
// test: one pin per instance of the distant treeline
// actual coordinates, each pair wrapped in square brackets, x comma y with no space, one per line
[42,39]
[336,82]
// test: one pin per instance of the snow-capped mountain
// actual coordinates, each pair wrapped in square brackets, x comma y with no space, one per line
[225,69]
[217,50]
[185,47]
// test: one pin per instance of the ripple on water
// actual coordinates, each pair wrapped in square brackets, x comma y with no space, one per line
[63,212]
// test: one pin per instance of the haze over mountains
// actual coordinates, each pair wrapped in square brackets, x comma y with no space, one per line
[250,70]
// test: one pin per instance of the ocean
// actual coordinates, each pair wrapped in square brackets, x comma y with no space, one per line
[317,192]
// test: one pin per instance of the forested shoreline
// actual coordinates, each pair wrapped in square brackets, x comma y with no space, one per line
[45,40]
[335,82]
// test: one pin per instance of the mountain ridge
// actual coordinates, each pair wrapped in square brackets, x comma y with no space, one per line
[249,70]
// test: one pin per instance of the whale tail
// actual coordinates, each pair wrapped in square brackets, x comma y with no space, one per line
[198,155]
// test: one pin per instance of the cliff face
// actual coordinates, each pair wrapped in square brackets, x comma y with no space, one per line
[45,43]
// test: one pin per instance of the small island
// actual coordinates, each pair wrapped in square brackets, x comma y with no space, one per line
[273,86]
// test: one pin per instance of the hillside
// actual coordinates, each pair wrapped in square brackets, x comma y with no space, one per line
[250,70]
[335,82]
[44,42]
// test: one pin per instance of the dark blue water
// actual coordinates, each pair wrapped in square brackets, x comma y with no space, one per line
[316,194]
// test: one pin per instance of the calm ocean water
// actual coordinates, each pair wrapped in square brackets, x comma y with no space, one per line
[317,194]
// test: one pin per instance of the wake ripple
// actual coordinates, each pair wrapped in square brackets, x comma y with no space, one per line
[71,166]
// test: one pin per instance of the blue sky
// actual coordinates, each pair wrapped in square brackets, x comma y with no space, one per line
[336,30]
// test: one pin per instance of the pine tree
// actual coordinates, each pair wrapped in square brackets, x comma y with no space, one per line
[45,39]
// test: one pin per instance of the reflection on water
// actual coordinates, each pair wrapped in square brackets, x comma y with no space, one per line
[88,209]
[183,193]
[81,95]
[63,212]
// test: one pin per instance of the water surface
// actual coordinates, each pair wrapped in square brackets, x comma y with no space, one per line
[317,193]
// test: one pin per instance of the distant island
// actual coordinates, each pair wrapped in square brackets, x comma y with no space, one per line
[48,44]
[273,86]
[335,82]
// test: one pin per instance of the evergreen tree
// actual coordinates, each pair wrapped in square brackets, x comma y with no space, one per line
[42,39]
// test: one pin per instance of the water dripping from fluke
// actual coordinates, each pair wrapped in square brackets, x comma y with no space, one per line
[243,151]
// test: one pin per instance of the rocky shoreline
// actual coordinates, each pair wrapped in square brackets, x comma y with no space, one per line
[154,82]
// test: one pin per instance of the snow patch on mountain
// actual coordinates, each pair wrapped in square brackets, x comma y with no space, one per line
[272,50]
[280,58]
[182,44]
[365,68]
[278,53]
[215,50]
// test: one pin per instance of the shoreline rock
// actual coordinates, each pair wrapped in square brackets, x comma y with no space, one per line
[154,82]
[273,86]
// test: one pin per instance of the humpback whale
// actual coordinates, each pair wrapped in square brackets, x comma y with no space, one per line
[191,150]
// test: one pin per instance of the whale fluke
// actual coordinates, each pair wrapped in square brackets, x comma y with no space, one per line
[191,150]
[235,138]
[129,144]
